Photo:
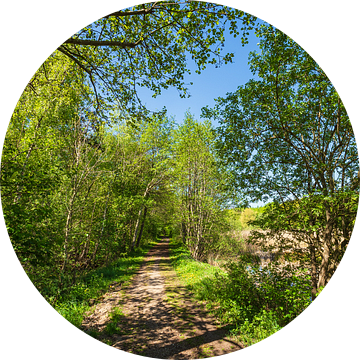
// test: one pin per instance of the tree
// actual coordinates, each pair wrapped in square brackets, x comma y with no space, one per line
[60,116]
[55,177]
[199,186]
[288,139]
[148,46]
[154,141]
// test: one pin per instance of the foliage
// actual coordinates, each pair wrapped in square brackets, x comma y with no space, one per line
[73,302]
[200,187]
[89,178]
[80,187]
[71,187]
[33,153]
[255,300]
[148,46]
[77,193]
[287,138]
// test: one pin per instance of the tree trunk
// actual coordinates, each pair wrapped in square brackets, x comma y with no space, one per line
[136,230]
[141,228]
[183,232]
[103,222]
[313,271]
[323,274]
[85,251]
[148,188]
[67,232]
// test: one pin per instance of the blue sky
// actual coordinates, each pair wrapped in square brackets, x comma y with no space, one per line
[210,84]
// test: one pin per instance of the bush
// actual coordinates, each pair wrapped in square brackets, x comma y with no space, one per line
[255,301]
[247,289]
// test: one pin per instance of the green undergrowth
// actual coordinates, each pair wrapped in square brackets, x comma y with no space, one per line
[254,304]
[76,300]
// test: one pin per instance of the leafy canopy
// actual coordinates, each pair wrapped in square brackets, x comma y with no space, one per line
[148,45]
[286,133]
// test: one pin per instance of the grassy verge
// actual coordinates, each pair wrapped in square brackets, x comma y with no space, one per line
[253,303]
[78,299]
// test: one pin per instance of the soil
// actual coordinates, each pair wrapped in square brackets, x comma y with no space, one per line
[156,316]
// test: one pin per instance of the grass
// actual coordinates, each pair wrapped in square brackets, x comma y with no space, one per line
[75,301]
[112,327]
[252,313]
[231,296]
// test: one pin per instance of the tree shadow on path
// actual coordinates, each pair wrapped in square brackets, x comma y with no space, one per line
[148,321]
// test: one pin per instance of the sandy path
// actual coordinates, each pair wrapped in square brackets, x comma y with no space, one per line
[158,317]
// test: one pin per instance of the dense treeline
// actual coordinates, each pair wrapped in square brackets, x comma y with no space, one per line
[78,193]
[79,184]
[287,138]
[88,175]
[200,187]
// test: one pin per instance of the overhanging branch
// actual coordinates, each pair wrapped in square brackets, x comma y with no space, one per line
[121,44]
[89,72]
[134,12]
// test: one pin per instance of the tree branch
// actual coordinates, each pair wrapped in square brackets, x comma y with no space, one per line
[65,52]
[121,44]
[73,58]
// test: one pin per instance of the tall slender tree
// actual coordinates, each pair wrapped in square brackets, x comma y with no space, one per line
[199,186]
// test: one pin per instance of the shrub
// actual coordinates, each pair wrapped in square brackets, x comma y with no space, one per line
[247,289]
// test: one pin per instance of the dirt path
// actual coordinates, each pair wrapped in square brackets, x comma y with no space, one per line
[156,317]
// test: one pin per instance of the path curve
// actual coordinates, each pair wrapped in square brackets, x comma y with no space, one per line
[158,317]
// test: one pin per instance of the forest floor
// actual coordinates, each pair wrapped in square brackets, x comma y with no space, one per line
[156,316]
